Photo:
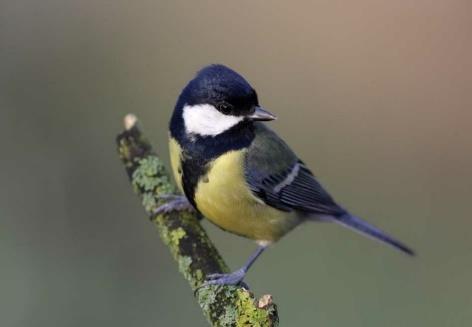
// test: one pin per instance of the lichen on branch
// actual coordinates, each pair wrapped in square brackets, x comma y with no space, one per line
[187,241]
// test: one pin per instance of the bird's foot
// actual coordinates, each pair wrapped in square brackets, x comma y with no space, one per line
[234,278]
[176,203]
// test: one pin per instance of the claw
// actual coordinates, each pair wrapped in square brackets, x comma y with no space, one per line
[214,276]
[176,203]
[234,278]
[169,197]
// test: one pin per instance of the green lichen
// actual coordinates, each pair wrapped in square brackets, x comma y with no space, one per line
[199,275]
[248,314]
[149,201]
[150,176]
[124,151]
[145,175]
[206,297]
[171,237]
[184,266]
[229,317]
[232,306]
[176,235]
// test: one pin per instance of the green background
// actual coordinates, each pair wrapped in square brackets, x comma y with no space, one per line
[375,96]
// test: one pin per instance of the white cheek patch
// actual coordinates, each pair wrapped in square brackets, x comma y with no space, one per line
[206,120]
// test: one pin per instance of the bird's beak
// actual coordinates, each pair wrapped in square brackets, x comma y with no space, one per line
[261,115]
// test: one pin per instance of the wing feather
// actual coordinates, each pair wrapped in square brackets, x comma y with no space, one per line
[281,180]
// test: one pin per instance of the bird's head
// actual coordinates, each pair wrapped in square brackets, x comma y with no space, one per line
[216,100]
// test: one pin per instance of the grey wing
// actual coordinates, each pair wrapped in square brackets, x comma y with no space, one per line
[281,180]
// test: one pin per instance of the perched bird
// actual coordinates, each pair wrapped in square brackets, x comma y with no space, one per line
[239,174]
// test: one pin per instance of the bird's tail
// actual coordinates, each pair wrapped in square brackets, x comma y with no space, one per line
[365,228]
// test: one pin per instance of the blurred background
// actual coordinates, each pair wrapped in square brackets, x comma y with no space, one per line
[375,96]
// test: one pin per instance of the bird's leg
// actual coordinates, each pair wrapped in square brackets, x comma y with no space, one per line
[236,277]
[176,203]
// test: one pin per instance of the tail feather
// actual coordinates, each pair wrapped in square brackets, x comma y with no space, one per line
[365,228]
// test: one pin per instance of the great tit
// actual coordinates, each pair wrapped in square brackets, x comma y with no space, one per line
[240,174]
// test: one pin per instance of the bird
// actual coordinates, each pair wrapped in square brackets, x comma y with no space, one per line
[239,174]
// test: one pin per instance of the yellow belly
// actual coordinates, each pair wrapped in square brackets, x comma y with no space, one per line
[175,151]
[226,200]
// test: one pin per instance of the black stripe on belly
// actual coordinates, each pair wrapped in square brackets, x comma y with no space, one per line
[192,170]
[199,152]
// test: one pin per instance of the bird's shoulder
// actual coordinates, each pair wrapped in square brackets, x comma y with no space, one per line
[268,153]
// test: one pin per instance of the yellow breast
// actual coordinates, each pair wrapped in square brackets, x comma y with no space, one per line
[175,156]
[224,197]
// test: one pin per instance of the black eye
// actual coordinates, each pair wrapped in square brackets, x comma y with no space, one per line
[224,107]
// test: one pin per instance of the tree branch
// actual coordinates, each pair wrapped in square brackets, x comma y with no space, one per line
[187,240]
